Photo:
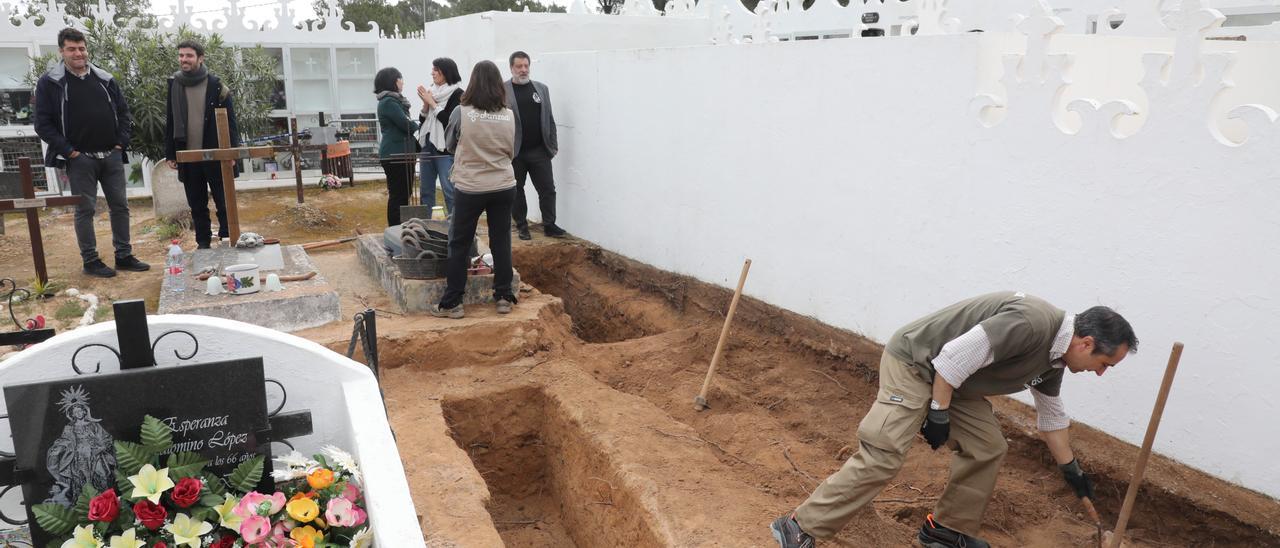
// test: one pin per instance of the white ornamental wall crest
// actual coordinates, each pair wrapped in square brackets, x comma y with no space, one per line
[235,25]
[1180,87]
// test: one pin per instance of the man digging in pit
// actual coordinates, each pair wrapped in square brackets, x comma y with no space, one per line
[935,375]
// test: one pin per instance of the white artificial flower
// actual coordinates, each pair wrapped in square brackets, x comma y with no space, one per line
[296,460]
[342,459]
[362,539]
[288,474]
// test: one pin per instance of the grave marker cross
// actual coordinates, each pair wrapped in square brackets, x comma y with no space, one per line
[225,154]
[295,148]
[31,205]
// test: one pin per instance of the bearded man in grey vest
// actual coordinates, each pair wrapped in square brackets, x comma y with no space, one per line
[935,376]
[191,124]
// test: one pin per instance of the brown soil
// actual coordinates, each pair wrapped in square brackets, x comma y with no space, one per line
[570,421]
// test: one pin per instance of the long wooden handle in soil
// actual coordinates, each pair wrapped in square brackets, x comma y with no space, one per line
[327,243]
[700,402]
[1145,453]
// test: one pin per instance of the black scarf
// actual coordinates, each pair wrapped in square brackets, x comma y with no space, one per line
[178,95]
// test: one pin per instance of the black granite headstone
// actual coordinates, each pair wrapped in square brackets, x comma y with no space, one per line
[64,430]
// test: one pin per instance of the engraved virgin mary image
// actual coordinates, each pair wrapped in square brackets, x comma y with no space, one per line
[83,454]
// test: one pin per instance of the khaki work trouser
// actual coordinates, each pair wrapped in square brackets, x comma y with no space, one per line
[885,435]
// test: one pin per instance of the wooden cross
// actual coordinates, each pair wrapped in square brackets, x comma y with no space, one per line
[226,155]
[295,148]
[31,205]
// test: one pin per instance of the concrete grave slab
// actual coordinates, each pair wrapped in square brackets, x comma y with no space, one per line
[302,304]
[267,257]
[418,295]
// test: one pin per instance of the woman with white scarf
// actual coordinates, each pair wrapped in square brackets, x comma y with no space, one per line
[438,103]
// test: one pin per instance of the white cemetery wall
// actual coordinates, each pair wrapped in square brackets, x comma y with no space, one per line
[866,163]
[495,35]
[342,396]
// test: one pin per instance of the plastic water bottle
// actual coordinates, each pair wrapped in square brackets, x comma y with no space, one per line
[173,266]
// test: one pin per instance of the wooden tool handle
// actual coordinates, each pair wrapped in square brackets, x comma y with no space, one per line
[1093,512]
[292,278]
[700,401]
[1145,453]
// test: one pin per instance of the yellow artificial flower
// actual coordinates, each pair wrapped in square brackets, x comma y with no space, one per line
[303,510]
[187,531]
[306,536]
[226,515]
[128,540]
[151,483]
[83,538]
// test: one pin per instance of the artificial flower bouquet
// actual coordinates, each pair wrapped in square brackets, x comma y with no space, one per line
[330,181]
[317,502]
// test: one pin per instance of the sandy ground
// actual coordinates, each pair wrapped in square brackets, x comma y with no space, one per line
[570,421]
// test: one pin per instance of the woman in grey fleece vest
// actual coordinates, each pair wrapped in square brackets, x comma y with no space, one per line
[481,136]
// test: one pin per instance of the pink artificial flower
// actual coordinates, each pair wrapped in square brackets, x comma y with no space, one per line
[280,533]
[341,513]
[351,493]
[250,504]
[255,529]
[361,517]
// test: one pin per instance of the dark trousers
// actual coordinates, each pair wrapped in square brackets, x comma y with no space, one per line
[200,180]
[86,174]
[399,175]
[462,232]
[536,164]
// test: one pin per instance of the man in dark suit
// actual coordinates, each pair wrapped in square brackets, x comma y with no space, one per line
[535,146]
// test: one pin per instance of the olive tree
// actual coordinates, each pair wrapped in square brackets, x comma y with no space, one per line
[142,60]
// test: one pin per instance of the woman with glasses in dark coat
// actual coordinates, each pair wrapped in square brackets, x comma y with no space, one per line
[397,138]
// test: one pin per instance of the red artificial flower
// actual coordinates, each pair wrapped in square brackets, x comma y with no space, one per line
[186,492]
[104,507]
[227,541]
[160,544]
[151,515]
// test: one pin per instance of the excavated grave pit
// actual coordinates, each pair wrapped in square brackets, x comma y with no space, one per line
[790,392]
[611,338]
[547,483]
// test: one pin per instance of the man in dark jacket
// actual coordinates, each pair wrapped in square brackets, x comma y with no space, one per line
[190,124]
[82,115]
[535,146]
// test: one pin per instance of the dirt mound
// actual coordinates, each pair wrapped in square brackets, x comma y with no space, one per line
[305,216]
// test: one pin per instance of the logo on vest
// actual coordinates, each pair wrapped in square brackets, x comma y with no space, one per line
[1033,382]
[895,399]
[476,115]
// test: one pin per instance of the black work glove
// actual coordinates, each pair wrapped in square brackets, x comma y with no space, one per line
[1076,479]
[936,428]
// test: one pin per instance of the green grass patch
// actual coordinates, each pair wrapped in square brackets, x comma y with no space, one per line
[104,313]
[168,230]
[70,310]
